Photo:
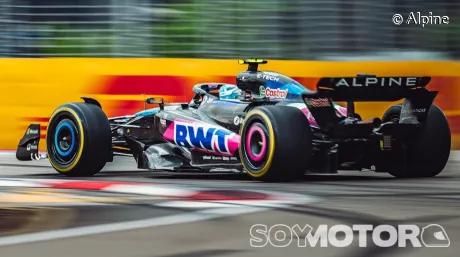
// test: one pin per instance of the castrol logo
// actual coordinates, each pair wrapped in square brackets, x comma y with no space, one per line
[273,93]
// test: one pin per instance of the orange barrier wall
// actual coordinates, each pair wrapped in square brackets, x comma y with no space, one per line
[30,89]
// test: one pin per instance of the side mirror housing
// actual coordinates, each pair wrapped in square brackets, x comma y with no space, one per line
[154,100]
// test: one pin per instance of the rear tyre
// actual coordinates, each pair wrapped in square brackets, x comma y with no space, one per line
[78,139]
[392,114]
[429,154]
[276,143]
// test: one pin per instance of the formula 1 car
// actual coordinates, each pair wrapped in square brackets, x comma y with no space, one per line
[276,130]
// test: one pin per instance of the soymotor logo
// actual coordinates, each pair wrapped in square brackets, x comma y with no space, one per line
[281,235]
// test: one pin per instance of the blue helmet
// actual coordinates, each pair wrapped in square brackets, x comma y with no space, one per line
[229,92]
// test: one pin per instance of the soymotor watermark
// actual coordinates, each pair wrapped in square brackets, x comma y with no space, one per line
[418,19]
[281,235]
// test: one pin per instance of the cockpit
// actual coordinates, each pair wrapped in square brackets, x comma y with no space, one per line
[250,85]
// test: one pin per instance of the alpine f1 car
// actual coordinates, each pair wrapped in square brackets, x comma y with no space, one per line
[274,129]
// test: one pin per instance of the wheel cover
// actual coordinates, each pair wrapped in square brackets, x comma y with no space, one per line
[65,143]
[64,138]
[256,144]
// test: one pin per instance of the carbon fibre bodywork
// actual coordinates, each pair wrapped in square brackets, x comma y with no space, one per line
[153,135]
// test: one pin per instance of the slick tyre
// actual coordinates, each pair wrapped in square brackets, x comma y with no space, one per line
[428,154]
[392,114]
[78,139]
[276,143]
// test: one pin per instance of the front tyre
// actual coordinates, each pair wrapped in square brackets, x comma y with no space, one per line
[276,143]
[429,154]
[78,139]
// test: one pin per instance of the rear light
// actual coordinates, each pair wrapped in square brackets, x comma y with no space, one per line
[385,143]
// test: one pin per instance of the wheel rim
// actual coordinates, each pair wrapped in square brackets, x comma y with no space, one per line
[256,144]
[64,140]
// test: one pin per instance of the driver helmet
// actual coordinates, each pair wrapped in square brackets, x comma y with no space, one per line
[229,92]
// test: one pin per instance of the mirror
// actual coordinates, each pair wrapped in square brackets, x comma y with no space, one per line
[154,100]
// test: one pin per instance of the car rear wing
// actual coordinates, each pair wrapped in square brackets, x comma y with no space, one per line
[369,88]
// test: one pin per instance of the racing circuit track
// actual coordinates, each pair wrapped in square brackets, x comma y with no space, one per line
[68,222]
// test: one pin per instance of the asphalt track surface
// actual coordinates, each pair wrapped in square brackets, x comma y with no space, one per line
[137,226]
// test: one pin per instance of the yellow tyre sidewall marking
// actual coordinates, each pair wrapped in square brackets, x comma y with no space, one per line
[82,139]
[121,148]
[271,148]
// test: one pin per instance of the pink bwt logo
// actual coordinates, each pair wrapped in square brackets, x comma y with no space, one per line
[212,139]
